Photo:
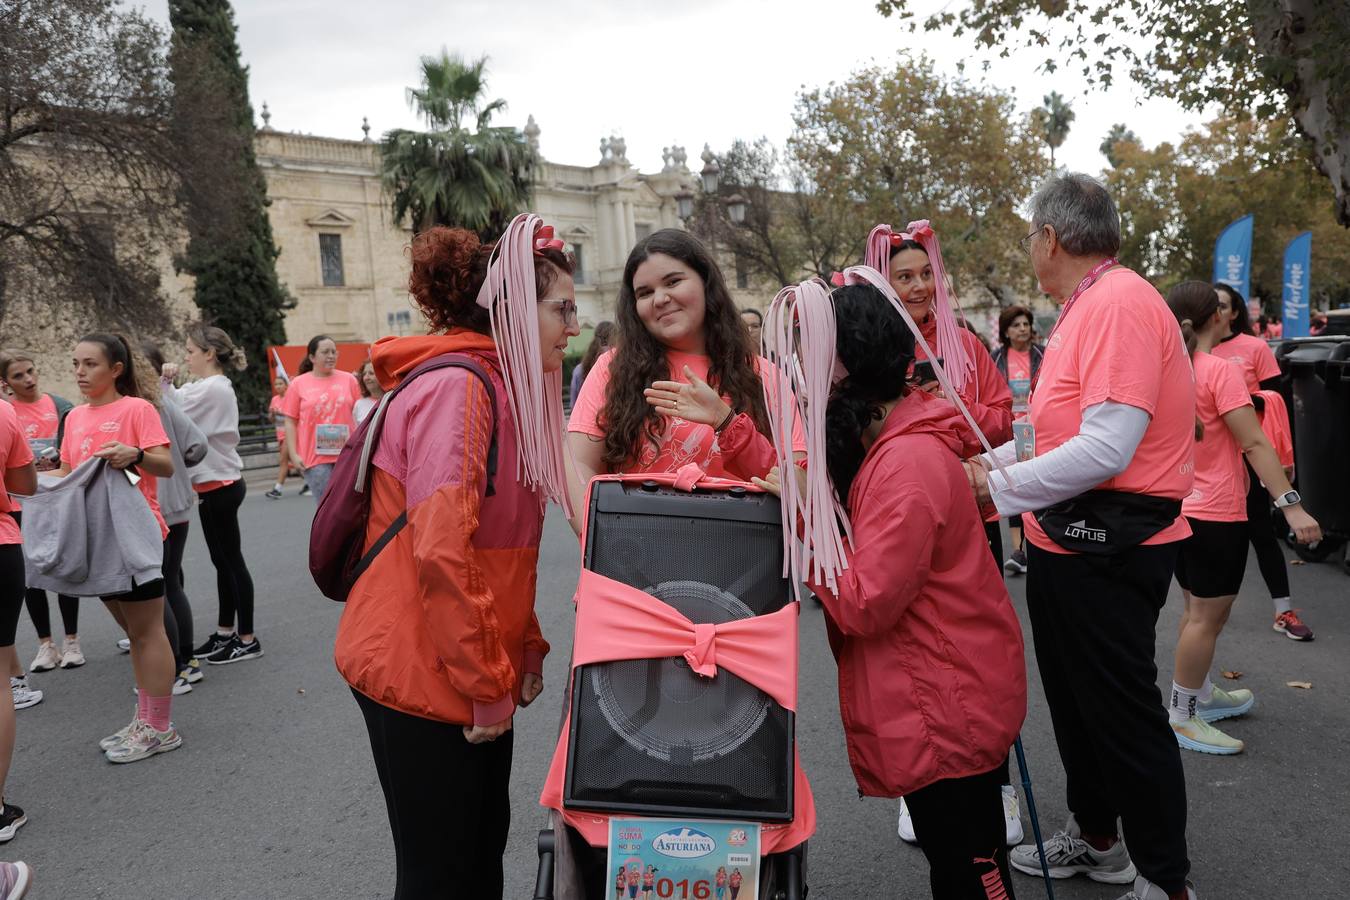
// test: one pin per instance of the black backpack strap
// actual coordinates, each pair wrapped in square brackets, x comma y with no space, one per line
[445,361]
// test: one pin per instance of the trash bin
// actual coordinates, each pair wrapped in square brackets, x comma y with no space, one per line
[1319,373]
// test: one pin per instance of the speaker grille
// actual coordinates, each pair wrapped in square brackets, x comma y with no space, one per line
[652,736]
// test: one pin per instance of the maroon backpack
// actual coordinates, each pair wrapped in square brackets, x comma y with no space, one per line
[338,535]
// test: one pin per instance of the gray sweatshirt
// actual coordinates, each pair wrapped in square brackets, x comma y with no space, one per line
[90,534]
[187,446]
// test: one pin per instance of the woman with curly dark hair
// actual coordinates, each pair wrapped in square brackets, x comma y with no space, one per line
[932,684]
[683,386]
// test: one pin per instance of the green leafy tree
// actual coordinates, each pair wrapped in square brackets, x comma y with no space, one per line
[893,144]
[1054,119]
[230,250]
[475,178]
[1276,58]
[1119,133]
[1174,201]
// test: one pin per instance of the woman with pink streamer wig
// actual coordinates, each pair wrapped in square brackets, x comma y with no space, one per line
[911,261]
[932,684]
[439,641]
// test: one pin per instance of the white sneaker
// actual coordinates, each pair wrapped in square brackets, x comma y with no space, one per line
[124,645]
[1147,890]
[117,736]
[47,658]
[1067,854]
[906,824]
[71,656]
[24,696]
[1012,815]
[181,686]
[143,742]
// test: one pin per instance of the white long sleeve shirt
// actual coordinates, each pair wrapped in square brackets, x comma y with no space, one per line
[211,405]
[1107,437]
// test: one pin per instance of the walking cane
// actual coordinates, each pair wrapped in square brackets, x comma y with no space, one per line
[1035,819]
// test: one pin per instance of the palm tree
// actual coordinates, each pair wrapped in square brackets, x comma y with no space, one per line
[1054,118]
[450,175]
[1119,134]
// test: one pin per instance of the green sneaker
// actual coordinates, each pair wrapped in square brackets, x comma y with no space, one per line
[1198,735]
[1225,704]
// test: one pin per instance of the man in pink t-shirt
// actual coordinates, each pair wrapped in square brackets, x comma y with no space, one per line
[1103,461]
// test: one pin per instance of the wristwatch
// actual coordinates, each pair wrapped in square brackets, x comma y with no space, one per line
[140,458]
[1287,499]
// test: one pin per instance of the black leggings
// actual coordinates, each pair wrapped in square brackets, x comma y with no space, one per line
[220,526]
[959,826]
[36,601]
[177,611]
[1261,533]
[449,804]
[11,591]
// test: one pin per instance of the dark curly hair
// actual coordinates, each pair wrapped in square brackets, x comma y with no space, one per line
[639,358]
[449,266]
[876,347]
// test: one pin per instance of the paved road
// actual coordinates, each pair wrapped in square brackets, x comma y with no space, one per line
[274,795]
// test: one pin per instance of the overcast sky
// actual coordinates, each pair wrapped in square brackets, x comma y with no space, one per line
[659,73]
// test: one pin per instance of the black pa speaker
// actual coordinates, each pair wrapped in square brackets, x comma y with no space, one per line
[650,736]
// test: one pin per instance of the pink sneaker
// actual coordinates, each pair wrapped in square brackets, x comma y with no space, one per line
[1292,626]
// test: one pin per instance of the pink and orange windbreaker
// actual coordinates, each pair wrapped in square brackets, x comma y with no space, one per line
[442,624]
[932,682]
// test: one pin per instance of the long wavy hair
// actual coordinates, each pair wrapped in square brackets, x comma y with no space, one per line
[639,358]
[876,348]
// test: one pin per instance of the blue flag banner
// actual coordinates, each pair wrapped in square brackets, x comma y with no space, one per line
[1233,255]
[1297,262]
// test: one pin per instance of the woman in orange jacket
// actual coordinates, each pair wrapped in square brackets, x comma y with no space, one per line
[439,640]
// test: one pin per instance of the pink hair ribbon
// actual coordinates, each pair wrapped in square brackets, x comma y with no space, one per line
[799,337]
[951,350]
[544,239]
[509,295]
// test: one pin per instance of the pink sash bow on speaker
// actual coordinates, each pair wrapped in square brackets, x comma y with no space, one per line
[616,621]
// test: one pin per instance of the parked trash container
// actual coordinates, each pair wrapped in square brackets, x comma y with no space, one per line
[1319,371]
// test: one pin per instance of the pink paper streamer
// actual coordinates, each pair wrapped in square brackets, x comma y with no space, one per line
[509,295]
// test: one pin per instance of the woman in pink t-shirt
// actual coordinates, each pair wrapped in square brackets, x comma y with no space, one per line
[1211,561]
[1018,359]
[683,385]
[318,411]
[276,414]
[118,426]
[40,418]
[20,477]
[1253,358]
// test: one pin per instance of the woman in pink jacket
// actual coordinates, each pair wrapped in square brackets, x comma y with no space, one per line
[932,684]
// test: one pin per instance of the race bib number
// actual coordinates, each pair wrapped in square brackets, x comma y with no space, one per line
[330,439]
[1024,440]
[1021,391]
[684,860]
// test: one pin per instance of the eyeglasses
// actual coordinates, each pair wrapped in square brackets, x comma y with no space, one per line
[567,309]
[1025,243]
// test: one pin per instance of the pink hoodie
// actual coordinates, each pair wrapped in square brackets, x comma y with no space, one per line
[932,681]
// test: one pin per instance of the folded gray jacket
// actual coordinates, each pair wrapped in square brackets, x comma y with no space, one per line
[90,534]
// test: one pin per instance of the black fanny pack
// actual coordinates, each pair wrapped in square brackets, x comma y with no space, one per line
[1107,522]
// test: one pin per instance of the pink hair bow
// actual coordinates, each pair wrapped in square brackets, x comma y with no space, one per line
[509,295]
[544,239]
[837,279]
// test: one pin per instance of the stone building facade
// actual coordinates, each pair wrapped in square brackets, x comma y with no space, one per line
[346,262]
